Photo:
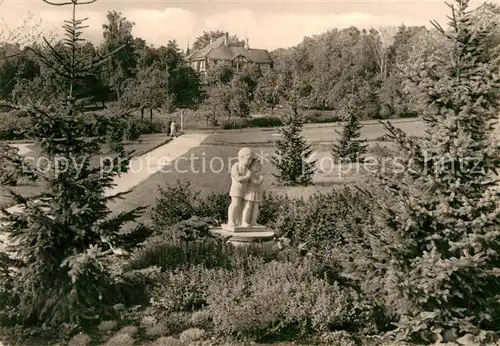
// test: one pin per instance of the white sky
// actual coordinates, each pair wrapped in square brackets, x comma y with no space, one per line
[268,24]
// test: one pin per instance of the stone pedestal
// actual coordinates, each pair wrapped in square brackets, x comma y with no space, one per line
[241,229]
[239,235]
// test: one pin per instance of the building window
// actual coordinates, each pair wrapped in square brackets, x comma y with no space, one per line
[239,62]
[202,65]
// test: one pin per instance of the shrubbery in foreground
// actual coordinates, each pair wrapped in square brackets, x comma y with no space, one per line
[440,238]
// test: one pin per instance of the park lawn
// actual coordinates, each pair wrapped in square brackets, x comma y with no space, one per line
[314,133]
[145,144]
[207,169]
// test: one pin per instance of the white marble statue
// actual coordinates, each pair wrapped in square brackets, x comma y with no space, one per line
[253,195]
[240,176]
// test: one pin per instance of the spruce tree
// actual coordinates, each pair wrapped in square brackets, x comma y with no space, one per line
[441,236]
[56,266]
[350,147]
[293,153]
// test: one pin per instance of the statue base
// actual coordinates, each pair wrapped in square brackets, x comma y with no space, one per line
[238,235]
[241,229]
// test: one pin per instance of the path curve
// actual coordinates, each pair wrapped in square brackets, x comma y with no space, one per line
[141,167]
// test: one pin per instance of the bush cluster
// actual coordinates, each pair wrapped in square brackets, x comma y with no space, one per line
[318,117]
[133,128]
[229,290]
[239,123]
[12,125]
[180,202]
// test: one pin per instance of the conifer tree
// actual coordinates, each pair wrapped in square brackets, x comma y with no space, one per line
[441,237]
[350,147]
[293,156]
[55,268]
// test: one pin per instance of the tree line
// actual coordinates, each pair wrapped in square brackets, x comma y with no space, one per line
[376,65]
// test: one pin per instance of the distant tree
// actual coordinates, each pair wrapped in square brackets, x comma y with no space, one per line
[218,89]
[145,55]
[44,89]
[221,74]
[248,79]
[350,147]
[207,36]
[183,82]
[148,90]
[21,65]
[117,32]
[267,93]
[25,34]
[239,99]
[185,86]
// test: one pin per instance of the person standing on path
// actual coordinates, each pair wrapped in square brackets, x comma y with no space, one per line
[173,129]
[167,127]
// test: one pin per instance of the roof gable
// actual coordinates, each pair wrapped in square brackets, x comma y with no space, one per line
[204,51]
[258,56]
[217,50]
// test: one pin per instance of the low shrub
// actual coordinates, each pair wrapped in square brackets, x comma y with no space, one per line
[107,326]
[179,202]
[266,121]
[155,126]
[181,290]
[167,341]
[214,206]
[156,330]
[407,115]
[283,301]
[271,206]
[189,230]
[234,124]
[239,123]
[129,330]
[191,335]
[160,251]
[120,340]
[176,202]
[12,125]
[328,218]
[80,339]
[132,130]
[316,117]
[383,151]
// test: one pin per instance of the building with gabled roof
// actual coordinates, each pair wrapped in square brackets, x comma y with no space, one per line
[221,50]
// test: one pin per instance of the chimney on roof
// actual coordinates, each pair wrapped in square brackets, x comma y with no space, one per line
[226,39]
[247,46]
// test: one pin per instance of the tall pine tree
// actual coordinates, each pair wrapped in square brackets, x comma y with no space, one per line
[350,147]
[440,241]
[57,267]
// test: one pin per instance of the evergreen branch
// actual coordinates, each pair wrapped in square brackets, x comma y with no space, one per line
[104,58]
[119,195]
[55,53]
[50,64]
